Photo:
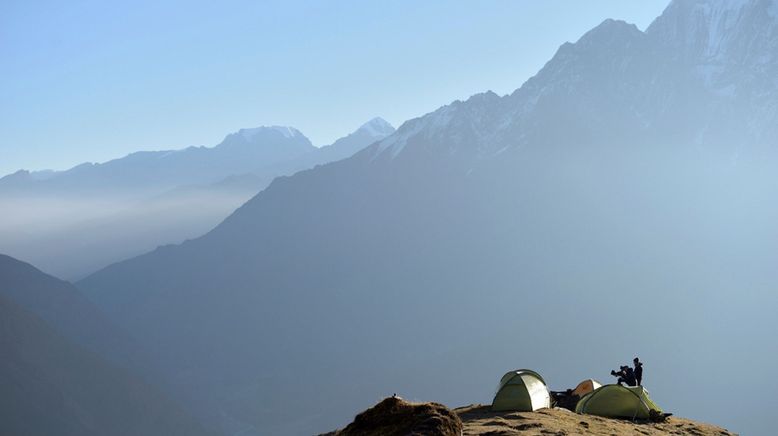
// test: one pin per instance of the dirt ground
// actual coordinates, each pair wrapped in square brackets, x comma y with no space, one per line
[480,420]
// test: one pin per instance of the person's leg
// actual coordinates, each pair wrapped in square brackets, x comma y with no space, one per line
[620,381]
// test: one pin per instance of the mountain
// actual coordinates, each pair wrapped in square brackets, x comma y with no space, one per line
[52,384]
[67,311]
[74,222]
[368,133]
[609,207]
[242,152]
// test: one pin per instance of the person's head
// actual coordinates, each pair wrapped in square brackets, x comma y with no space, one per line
[623,367]
[636,361]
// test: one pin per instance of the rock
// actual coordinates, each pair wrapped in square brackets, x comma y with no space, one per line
[396,417]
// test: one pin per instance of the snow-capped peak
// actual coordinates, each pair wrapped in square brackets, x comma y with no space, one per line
[377,127]
[285,131]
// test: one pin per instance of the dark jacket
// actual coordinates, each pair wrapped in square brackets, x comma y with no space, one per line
[639,373]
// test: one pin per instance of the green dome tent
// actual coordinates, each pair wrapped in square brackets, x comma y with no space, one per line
[615,401]
[522,390]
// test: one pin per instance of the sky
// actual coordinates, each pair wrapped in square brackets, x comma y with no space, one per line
[93,80]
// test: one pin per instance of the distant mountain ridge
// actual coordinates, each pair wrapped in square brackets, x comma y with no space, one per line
[73,222]
[243,152]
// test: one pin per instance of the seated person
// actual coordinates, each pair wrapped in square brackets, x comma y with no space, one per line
[625,375]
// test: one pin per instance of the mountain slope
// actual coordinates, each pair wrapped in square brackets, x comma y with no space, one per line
[368,133]
[600,211]
[51,386]
[64,308]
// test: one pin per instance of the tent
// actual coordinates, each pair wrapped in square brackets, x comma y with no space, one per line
[522,390]
[615,401]
[586,386]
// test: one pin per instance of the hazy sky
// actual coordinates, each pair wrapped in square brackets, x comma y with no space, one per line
[93,80]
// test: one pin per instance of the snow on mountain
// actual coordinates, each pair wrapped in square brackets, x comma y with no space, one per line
[461,129]
[377,127]
[703,26]
[374,130]
[720,34]
[285,131]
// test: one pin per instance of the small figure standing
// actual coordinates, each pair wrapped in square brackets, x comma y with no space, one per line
[638,371]
[625,375]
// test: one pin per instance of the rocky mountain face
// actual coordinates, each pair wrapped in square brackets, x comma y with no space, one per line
[702,75]
[600,211]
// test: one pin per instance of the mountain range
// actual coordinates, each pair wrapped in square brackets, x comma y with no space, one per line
[71,223]
[602,210]
[248,151]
